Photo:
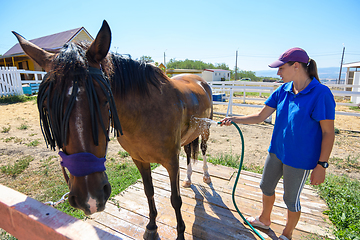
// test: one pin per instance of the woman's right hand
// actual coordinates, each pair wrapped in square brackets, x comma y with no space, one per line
[226,121]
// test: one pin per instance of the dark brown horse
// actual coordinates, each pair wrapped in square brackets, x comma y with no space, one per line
[87,90]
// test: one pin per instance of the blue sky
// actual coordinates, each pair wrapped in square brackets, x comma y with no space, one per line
[210,31]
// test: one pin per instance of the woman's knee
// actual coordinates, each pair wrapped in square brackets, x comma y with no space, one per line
[293,206]
[266,189]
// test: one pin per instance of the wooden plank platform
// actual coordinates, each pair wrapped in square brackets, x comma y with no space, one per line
[208,210]
[26,218]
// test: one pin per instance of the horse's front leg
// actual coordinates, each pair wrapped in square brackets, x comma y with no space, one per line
[145,171]
[174,175]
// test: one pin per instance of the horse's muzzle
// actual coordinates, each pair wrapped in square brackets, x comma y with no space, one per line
[91,200]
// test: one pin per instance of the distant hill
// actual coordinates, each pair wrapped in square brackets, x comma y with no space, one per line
[324,73]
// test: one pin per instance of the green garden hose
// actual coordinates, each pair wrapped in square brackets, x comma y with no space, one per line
[237,179]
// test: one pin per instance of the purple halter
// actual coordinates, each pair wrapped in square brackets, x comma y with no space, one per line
[82,164]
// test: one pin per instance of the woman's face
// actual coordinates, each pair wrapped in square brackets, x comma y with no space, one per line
[286,72]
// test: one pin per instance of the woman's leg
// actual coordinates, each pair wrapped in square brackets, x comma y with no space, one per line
[292,220]
[294,181]
[273,170]
[268,203]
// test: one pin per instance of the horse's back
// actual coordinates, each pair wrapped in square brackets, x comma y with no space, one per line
[191,85]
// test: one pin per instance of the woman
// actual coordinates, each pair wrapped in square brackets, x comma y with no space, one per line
[302,139]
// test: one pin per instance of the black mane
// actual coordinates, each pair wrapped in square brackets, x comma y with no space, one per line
[130,76]
[70,71]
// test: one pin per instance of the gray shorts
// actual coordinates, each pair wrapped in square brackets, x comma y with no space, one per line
[294,181]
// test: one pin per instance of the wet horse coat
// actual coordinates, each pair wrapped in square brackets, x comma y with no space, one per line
[157,115]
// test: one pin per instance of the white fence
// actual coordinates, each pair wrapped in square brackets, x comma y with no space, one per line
[228,88]
[11,83]
[36,76]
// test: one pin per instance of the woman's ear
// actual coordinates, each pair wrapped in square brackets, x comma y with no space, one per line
[296,65]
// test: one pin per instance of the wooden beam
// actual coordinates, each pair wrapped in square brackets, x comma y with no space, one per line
[26,218]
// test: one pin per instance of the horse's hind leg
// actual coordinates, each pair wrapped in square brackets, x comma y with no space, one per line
[187,181]
[204,138]
[145,171]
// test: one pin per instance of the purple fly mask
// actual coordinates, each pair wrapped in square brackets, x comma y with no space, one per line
[82,164]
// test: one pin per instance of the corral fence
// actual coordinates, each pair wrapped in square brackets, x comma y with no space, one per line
[14,81]
[10,81]
[224,94]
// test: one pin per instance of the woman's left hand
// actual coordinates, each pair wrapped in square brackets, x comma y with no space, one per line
[318,175]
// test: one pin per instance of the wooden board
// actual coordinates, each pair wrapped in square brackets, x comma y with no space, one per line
[208,210]
[26,218]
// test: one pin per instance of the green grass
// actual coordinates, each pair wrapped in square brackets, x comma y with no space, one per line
[122,174]
[342,195]
[16,139]
[18,167]
[5,236]
[6,129]
[234,161]
[351,162]
[8,139]
[16,99]
[251,94]
[225,160]
[123,154]
[23,126]
[33,143]
[356,108]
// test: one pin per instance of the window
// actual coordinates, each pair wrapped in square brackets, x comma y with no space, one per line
[23,65]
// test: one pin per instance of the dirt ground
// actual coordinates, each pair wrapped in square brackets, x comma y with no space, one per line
[23,123]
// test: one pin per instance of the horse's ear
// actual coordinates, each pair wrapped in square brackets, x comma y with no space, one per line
[101,45]
[42,57]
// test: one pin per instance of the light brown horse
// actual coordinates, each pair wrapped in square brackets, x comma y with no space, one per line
[87,90]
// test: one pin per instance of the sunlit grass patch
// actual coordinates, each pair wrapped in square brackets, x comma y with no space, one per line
[18,167]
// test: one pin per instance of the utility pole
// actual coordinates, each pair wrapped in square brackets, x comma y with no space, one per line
[164,60]
[342,58]
[236,65]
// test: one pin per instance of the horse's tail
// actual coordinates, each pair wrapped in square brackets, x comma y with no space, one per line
[195,148]
[192,150]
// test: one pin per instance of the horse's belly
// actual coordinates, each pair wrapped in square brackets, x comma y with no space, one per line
[190,136]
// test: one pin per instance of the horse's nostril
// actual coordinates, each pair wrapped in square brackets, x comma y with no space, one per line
[107,191]
[72,201]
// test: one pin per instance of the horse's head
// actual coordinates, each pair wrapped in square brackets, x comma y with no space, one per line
[76,110]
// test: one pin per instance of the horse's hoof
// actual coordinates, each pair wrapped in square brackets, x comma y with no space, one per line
[186,184]
[151,234]
[207,179]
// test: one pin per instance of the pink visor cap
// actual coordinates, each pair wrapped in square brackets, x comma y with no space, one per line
[291,55]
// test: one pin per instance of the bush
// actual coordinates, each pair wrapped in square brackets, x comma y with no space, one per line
[16,98]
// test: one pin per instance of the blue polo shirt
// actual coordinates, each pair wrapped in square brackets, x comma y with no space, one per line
[297,134]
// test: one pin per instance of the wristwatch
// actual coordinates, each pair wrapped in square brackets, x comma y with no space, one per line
[323,164]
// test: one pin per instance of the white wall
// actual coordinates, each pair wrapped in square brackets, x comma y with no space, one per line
[356,81]
[215,76]
[207,76]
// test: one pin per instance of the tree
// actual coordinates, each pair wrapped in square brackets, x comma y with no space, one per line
[146,59]
[194,64]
